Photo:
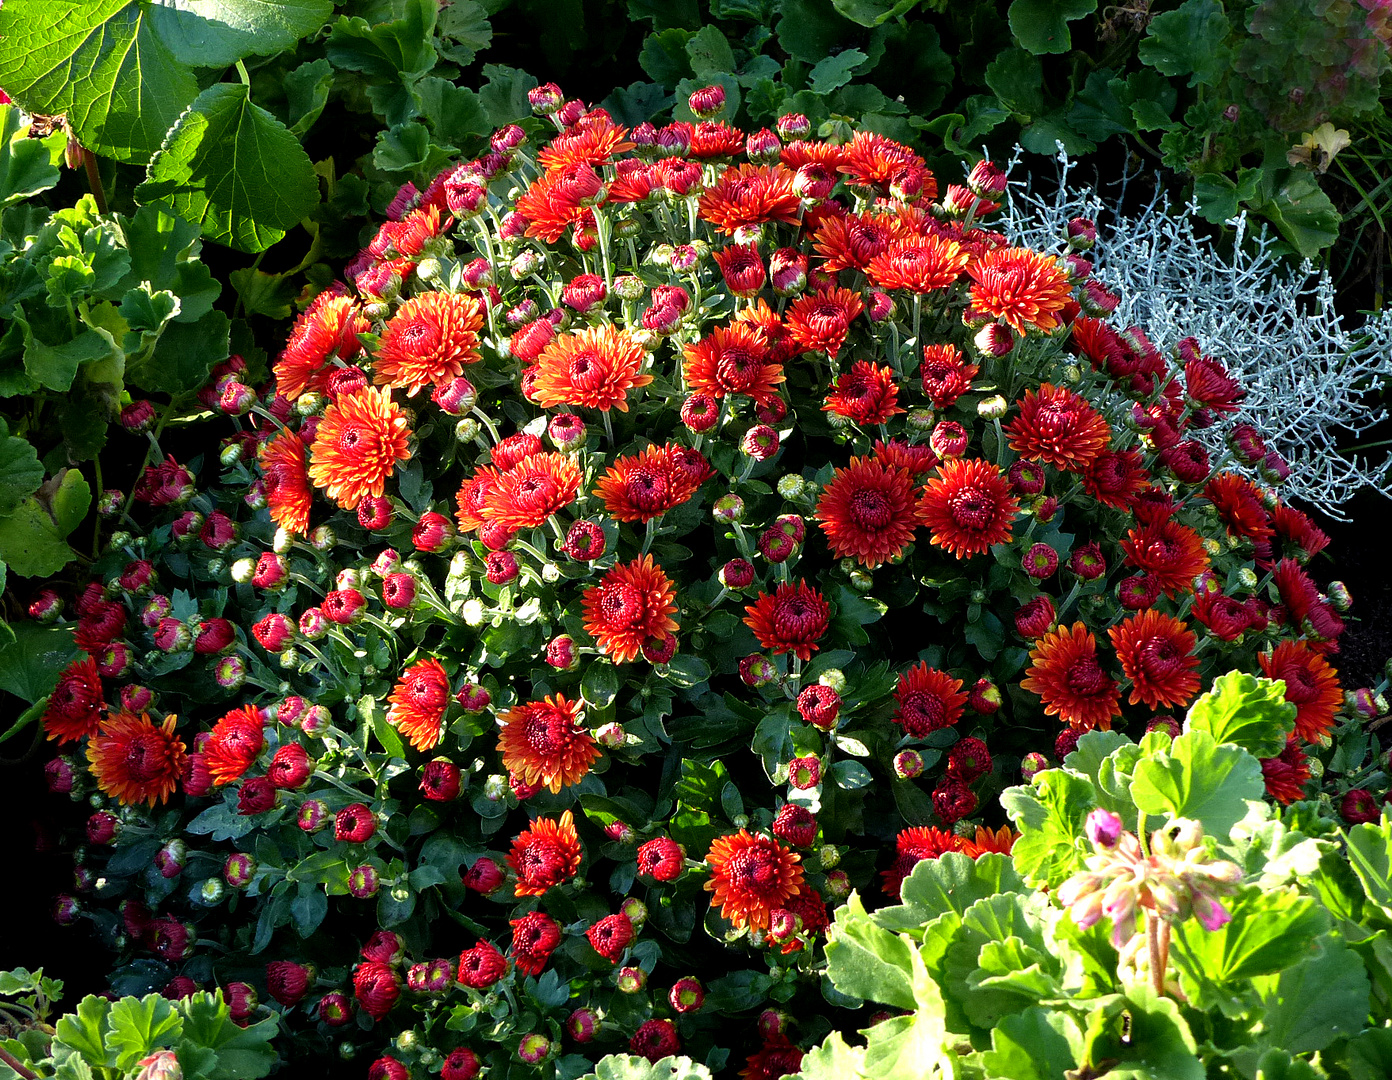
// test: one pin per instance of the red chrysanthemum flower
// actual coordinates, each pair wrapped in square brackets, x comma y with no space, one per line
[557,202]
[742,269]
[1294,526]
[1154,650]
[911,847]
[1170,552]
[915,459]
[1021,287]
[1066,675]
[791,620]
[751,195]
[968,507]
[732,360]
[819,321]
[1002,840]
[716,139]
[428,341]
[1312,686]
[75,706]
[610,936]
[927,700]
[867,394]
[1239,503]
[1209,383]
[285,477]
[544,855]
[919,265]
[875,160]
[638,487]
[750,877]
[1059,427]
[135,760]
[778,337]
[773,1061]
[534,938]
[1286,774]
[595,367]
[1116,478]
[632,604]
[544,744]
[234,744]
[418,703]
[944,374]
[868,511]
[531,491]
[357,444]
[593,140]
[854,241]
[329,328]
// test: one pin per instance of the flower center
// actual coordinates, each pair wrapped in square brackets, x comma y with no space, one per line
[541,860]
[419,336]
[1086,677]
[426,693]
[548,733]
[586,371]
[755,869]
[621,606]
[922,710]
[647,489]
[974,510]
[1159,658]
[143,757]
[351,437]
[795,616]
[870,509]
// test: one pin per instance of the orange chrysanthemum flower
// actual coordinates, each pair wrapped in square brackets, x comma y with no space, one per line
[968,507]
[359,440]
[716,139]
[428,341]
[595,367]
[1059,427]
[791,620]
[418,703]
[544,743]
[642,486]
[911,847]
[1154,650]
[751,195]
[867,394]
[1172,552]
[732,360]
[289,495]
[919,265]
[802,152]
[1239,504]
[985,841]
[819,321]
[593,141]
[1312,686]
[868,511]
[234,744]
[927,700]
[855,241]
[873,159]
[1020,286]
[531,491]
[471,499]
[632,604]
[134,760]
[764,319]
[329,328]
[1066,675]
[544,855]
[751,877]
[75,706]
[555,203]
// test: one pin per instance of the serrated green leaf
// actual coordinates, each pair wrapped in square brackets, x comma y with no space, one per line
[1146,1037]
[1201,779]
[20,472]
[1370,854]
[663,14]
[146,311]
[272,295]
[1051,815]
[873,12]
[164,253]
[835,71]
[1303,214]
[1269,929]
[709,52]
[1322,998]
[867,962]
[810,30]
[400,50]
[1036,1044]
[905,1047]
[102,64]
[455,113]
[1191,40]
[308,908]
[631,1067]
[214,33]
[233,169]
[140,1026]
[86,1032]
[26,165]
[951,882]
[55,366]
[244,1053]
[33,539]
[1041,26]
[464,31]
[306,93]
[1369,1057]
[1249,712]
[1017,77]
[31,663]
[184,356]
[504,95]
[833,1059]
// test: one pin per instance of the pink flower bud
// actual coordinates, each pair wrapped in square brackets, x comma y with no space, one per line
[1104,828]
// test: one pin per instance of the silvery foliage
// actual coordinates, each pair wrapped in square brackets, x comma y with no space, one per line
[1312,383]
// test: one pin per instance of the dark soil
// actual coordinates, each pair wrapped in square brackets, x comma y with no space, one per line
[1359,557]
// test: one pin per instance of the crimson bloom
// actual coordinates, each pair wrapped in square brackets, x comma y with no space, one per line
[1172,553]
[595,367]
[1020,287]
[750,877]
[638,487]
[544,855]
[867,394]
[1065,673]
[928,700]
[285,476]
[531,491]
[1059,427]
[1154,650]
[1312,686]
[868,511]
[534,938]
[632,604]
[75,706]
[791,620]
[235,742]
[751,195]
[911,847]
[819,321]
[968,507]
[732,360]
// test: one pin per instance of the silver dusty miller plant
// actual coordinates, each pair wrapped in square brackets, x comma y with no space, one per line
[1312,383]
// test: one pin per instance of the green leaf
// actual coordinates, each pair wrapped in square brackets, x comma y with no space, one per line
[663,14]
[630,1067]
[233,169]
[1268,930]
[147,312]
[464,25]
[308,908]
[1051,814]
[33,540]
[1250,712]
[1369,1057]
[20,472]
[1303,214]
[455,113]
[102,64]
[710,52]
[1017,77]
[1370,854]
[951,882]
[1151,98]
[873,12]
[139,1026]
[397,51]
[164,253]
[26,165]
[599,685]
[504,95]
[87,1032]
[1198,778]
[1044,135]
[1041,26]
[1097,113]
[1145,1036]
[1322,998]
[55,366]
[833,1059]
[810,31]
[1036,1044]
[905,1047]
[835,71]
[1191,40]
[868,962]
[272,295]
[215,33]
[306,94]
[31,663]
[243,1053]
[184,356]
[851,775]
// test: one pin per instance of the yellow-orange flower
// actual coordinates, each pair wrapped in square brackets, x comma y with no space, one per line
[1020,286]
[632,604]
[329,328]
[642,486]
[135,760]
[732,360]
[358,442]
[751,877]
[1064,672]
[986,841]
[919,265]
[547,854]
[595,367]
[428,341]
[289,495]
[544,743]
[751,195]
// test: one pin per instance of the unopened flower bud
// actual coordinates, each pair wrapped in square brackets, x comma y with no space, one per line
[1032,765]
[631,980]
[908,764]
[1104,828]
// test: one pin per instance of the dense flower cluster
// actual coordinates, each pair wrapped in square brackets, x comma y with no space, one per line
[611,460]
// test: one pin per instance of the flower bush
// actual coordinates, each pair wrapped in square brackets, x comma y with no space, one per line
[656,535]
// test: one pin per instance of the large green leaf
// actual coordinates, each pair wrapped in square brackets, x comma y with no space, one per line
[632,1067]
[1017,77]
[905,1047]
[101,63]
[1036,1044]
[184,355]
[1304,215]
[1322,998]
[31,663]
[1141,1037]
[1269,930]
[1199,778]
[834,1059]
[27,165]
[1051,814]
[243,1053]
[1369,1057]
[233,169]
[33,539]
[20,472]
[164,252]
[1191,40]
[1041,26]
[1242,709]
[85,1032]
[215,33]
[139,1026]
[952,882]
[1370,854]
[867,962]
[873,12]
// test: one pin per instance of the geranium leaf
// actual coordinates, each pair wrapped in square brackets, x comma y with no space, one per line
[87,1032]
[1266,931]
[1041,26]
[1198,778]
[214,33]
[1191,40]
[1036,1044]
[630,1067]
[1050,814]
[20,472]
[1250,712]
[1322,998]
[1370,855]
[867,962]
[140,1026]
[243,1053]
[33,539]
[951,882]
[832,1060]
[27,166]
